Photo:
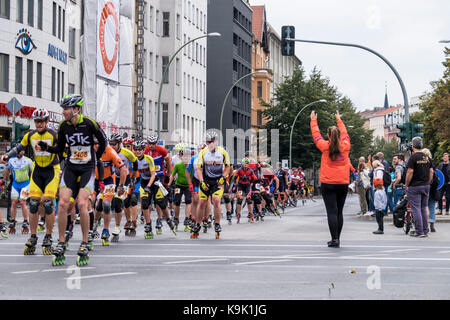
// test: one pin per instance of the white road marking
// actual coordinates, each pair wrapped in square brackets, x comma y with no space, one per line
[370,255]
[400,250]
[65,269]
[101,275]
[191,261]
[443,251]
[24,272]
[256,262]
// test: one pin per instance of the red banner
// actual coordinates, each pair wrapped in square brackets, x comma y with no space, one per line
[25,112]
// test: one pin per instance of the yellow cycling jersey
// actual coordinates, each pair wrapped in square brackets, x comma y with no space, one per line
[127,157]
[213,163]
[41,158]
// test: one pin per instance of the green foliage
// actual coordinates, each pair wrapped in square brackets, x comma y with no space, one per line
[389,148]
[295,93]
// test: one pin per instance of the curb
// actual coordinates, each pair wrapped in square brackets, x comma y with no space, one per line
[439,218]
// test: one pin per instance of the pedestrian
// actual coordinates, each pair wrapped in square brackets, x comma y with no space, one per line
[398,184]
[434,195]
[334,173]
[418,179]
[362,185]
[380,200]
[445,190]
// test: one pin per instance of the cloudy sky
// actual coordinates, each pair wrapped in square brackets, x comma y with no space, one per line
[405,32]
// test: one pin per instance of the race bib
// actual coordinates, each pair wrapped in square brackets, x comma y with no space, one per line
[239,193]
[109,191]
[124,194]
[157,168]
[177,190]
[80,154]
[258,186]
[25,193]
[38,151]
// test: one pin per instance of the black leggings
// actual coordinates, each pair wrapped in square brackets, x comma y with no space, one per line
[334,197]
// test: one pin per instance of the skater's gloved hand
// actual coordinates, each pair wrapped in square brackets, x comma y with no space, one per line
[4,159]
[102,186]
[120,189]
[166,179]
[43,145]
[204,186]
[191,187]
[147,189]
[222,180]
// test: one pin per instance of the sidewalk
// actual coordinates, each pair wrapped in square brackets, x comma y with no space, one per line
[439,218]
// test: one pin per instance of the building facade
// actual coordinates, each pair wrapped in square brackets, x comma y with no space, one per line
[168,25]
[33,59]
[229,59]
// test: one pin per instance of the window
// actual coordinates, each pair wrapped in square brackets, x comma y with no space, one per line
[54,19]
[19,11]
[165,116]
[185,5]
[71,88]
[201,22]
[184,42]
[178,26]
[189,87]
[151,18]
[31,12]
[201,58]
[30,77]
[192,130]
[40,14]
[157,78]
[177,116]
[62,84]
[64,25]
[184,85]
[39,80]
[188,9]
[177,71]
[72,42]
[151,66]
[145,15]
[59,22]
[53,83]
[259,90]
[259,117]
[165,62]
[166,20]
[144,63]
[157,23]
[196,52]
[189,48]
[19,67]
[4,9]
[58,87]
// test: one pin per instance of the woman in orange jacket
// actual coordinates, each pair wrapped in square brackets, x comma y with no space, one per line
[334,173]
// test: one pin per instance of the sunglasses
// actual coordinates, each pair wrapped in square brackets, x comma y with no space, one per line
[208,142]
[112,144]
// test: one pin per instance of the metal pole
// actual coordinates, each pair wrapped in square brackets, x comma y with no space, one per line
[405,96]
[166,71]
[292,130]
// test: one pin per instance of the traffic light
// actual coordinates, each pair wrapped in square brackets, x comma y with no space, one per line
[287,47]
[415,128]
[404,132]
[20,131]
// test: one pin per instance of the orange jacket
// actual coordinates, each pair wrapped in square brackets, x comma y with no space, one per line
[338,171]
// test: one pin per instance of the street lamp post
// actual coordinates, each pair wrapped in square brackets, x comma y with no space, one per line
[229,91]
[292,128]
[166,70]
[405,96]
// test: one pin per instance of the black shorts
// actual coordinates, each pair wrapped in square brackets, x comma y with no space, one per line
[78,177]
[178,194]
[245,188]
[293,187]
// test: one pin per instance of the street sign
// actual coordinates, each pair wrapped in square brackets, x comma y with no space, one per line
[441,178]
[13,106]
[285,163]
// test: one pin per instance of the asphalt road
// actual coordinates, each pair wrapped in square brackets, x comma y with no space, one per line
[276,259]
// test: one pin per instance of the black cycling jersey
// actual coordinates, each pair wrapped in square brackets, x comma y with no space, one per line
[80,139]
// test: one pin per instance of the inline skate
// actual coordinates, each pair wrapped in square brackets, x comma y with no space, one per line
[105,237]
[47,245]
[30,245]
[217,229]
[148,234]
[58,252]
[83,257]
[158,226]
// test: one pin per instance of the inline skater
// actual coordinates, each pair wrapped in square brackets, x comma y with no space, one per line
[281,190]
[129,159]
[131,202]
[44,179]
[151,187]
[21,168]
[244,177]
[183,184]
[163,167]
[213,168]
[78,132]
[192,170]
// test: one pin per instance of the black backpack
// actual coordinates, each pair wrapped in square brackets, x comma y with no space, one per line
[386,178]
[403,179]
[434,192]
[399,212]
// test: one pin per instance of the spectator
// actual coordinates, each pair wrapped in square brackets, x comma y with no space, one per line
[362,185]
[434,195]
[418,179]
[445,169]
[380,204]
[334,173]
[398,185]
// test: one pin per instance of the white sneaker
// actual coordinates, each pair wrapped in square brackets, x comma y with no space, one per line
[116,231]
[369,213]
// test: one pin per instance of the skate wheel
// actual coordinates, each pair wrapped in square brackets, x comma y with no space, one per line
[47,251]
[91,246]
[12,231]
[217,235]
[158,231]
[67,246]
[186,229]
[105,242]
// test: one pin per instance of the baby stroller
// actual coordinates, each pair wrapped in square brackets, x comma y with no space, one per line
[402,215]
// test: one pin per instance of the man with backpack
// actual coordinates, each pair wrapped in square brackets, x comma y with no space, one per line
[400,174]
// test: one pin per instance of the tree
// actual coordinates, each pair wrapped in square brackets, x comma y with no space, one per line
[296,92]
[436,113]
[388,148]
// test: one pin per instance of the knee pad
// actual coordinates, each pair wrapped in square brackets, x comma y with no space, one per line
[134,199]
[118,205]
[99,206]
[145,203]
[107,207]
[162,203]
[34,206]
[226,199]
[239,201]
[48,206]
